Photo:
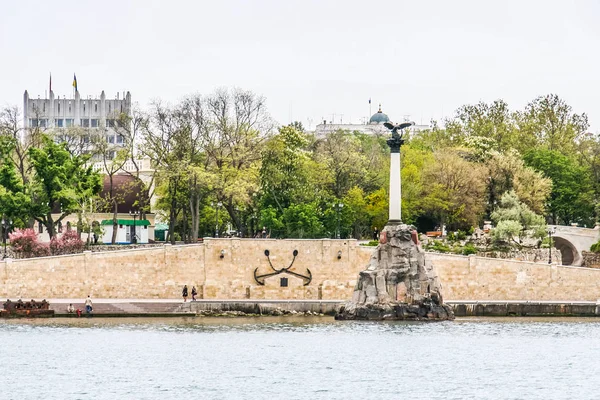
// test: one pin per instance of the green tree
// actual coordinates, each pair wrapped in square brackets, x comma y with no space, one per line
[571,198]
[549,122]
[455,191]
[482,121]
[507,171]
[61,180]
[515,221]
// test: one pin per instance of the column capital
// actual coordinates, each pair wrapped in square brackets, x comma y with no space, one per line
[395,142]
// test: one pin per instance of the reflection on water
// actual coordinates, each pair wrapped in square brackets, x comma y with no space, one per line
[299,358]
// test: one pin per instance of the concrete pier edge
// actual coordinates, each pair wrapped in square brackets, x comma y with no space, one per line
[259,307]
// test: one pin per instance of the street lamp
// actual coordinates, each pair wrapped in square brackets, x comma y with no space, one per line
[134,214]
[5,225]
[339,209]
[219,204]
[551,231]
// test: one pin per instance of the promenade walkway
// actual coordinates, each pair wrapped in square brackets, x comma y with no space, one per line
[176,307]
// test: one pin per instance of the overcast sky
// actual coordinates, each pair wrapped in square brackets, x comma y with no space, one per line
[310,59]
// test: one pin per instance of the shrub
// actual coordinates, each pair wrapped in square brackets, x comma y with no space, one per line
[461,235]
[439,246]
[371,243]
[469,249]
[595,247]
[68,243]
[25,244]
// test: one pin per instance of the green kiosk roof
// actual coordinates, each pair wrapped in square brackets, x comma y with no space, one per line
[141,222]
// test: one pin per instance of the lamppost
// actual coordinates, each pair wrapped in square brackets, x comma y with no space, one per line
[134,214]
[219,204]
[338,206]
[551,231]
[5,225]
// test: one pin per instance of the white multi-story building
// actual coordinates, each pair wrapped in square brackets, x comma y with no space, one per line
[375,126]
[55,112]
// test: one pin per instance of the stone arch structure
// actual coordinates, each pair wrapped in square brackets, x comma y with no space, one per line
[568,252]
[571,241]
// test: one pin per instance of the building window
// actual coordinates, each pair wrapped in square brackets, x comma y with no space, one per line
[44,107]
[283,282]
[33,122]
[95,107]
[86,139]
[84,106]
[109,107]
[43,123]
[58,107]
[109,139]
[69,226]
[68,122]
[58,123]
[112,155]
[69,106]
[120,139]
[40,227]
[85,123]
[94,123]
[110,123]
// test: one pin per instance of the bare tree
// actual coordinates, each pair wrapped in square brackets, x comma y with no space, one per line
[22,139]
[238,127]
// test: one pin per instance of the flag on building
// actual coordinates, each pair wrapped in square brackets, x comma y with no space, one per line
[75,82]
[369,100]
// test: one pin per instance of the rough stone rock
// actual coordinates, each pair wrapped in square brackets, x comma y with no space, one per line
[397,284]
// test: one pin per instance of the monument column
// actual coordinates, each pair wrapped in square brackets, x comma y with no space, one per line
[395,201]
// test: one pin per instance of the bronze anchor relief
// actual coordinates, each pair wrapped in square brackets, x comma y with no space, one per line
[260,279]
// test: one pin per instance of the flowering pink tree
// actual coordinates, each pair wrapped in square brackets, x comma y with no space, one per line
[68,243]
[25,244]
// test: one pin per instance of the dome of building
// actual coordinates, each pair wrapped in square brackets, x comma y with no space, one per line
[379,117]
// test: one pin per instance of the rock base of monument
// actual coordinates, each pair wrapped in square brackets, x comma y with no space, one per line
[397,312]
[398,284]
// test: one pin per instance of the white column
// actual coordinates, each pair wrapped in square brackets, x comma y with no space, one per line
[395,189]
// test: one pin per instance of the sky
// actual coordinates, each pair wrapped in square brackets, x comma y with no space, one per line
[312,60]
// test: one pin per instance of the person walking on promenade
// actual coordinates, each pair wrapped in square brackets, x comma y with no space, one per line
[88,305]
[184,293]
[194,293]
[375,233]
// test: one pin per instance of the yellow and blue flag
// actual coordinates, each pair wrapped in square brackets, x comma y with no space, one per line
[75,82]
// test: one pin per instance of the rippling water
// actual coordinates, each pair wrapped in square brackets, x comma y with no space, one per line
[277,358]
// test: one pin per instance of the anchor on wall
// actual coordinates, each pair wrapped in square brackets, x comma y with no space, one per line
[260,279]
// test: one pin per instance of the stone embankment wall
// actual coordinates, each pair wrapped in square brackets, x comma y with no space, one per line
[477,278]
[161,273]
[590,259]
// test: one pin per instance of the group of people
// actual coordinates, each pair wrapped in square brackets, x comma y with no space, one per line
[184,293]
[88,308]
